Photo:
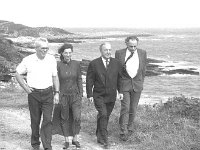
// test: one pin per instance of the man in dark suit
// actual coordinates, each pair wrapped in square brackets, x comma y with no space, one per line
[133,61]
[102,82]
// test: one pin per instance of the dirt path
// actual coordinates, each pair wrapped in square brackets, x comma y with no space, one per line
[15,133]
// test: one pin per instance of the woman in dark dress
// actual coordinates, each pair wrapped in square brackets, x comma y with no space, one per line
[67,115]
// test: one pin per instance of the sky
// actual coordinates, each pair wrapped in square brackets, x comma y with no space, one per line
[103,13]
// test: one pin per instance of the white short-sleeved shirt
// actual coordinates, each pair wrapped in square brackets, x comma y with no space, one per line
[39,72]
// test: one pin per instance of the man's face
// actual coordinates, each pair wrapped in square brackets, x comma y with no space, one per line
[42,50]
[106,51]
[132,45]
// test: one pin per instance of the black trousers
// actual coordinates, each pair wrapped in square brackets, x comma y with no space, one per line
[71,115]
[104,111]
[41,103]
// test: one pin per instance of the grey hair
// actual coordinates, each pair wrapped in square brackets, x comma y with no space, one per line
[106,43]
[131,38]
[40,40]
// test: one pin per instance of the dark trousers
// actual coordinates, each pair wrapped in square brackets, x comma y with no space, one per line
[128,110]
[104,111]
[70,115]
[41,102]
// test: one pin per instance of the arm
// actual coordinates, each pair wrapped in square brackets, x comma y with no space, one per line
[56,86]
[119,84]
[56,83]
[116,55]
[22,83]
[79,80]
[90,80]
[145,64]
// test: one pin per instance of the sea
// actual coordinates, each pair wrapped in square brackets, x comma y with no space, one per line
[177,47]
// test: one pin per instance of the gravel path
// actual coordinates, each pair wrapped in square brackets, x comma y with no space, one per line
[15,133]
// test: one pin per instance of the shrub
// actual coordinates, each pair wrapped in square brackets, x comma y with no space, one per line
[182,106]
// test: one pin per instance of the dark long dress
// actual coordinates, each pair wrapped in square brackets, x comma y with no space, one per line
[67,114]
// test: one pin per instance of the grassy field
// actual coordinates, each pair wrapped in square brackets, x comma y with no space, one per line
[170,126]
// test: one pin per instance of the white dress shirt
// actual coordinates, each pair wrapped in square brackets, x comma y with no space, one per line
[104,61]
[132,64]
[39,72]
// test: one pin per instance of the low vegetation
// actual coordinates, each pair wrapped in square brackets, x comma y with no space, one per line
[173,125]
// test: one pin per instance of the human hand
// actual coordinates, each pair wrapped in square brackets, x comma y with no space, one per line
[121,96]
[28,89]
[91,99]
[56,98]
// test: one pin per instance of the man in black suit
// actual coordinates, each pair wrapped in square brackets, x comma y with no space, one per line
[133,60]
[102,83]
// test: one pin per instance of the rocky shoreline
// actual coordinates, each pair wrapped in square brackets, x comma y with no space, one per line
[11,54]
[17,41]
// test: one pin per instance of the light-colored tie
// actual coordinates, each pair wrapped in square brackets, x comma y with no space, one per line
[107,63]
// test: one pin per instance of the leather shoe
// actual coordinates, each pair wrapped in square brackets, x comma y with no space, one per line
[123,137]
[76,143]
[35,148]
[66,145]
[130,133]
[106,146]
[100,142]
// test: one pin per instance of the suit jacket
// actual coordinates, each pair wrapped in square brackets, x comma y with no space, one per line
[70,78]
[136,83]
[102,83]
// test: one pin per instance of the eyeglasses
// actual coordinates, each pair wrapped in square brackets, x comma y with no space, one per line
[44,48]
[132,46]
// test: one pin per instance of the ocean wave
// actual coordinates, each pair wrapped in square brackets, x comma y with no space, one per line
[181,36]
[150,39]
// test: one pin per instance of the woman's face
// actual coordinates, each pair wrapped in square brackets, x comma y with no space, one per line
[67,54]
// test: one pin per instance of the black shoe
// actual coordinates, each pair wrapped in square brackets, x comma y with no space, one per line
[66,145]
[130,133]
[35,148]
[100,142]
[123,137]
[76,143]
[106,146]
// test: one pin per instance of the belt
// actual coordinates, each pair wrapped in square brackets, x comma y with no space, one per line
[42,90]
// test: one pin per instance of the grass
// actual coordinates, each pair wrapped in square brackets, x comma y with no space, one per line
[170,126]
[173,125]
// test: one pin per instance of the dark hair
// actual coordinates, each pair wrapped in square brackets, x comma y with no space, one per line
[62,48]
[131,38]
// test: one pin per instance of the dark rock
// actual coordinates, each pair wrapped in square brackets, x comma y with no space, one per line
[180,71]
[9,58]
[151,69]
[5,77]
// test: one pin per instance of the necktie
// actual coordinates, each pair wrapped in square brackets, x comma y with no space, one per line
[129,57]
[107,63]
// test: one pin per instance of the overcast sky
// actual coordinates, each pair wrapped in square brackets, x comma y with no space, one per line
[103,13]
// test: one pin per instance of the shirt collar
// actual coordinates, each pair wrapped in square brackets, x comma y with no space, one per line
[105,59]
[65,62]
[130,51]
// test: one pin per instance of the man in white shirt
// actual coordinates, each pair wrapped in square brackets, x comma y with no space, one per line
[42,83]
[133,73]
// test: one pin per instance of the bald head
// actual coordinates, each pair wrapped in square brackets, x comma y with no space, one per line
[106,44]
[105,50]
